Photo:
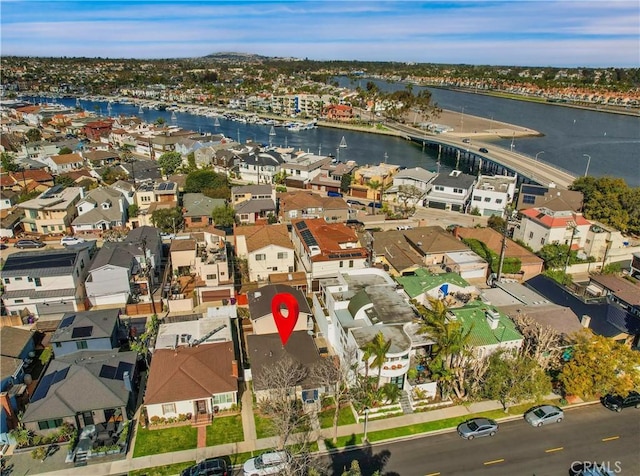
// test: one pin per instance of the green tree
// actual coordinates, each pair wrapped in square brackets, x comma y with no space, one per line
[378,348]
[160,121]
[497,223]
[65,151]
[8,162]
[133,210]
[600,365]
[34,135]
[512,378]
[169,162]
[345,183]
[200,180]
[375,185]
[191,165]
[224,216]
[554,255]
[64,180]
[167,219]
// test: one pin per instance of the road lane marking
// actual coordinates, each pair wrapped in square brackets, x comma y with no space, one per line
[552,450]
[486,463]
[611,438]
[432,474]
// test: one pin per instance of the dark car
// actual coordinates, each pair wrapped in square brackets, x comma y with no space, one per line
[355,202]
[208,467]
[29,244]
[618,402]
[482,149]
[374,204]
[477,427]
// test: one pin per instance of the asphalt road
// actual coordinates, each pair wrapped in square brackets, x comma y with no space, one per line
[590,433]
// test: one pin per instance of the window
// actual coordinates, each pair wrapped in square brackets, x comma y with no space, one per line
[196,219]
[542,240]
[18,278]
[18,301]
[58,344]
[487,199]
[81,344]
[261,257]
[477,199]
[168,408]
[498,200]
[37,281]
[223,398]
[48,424]
[7,281]
[458,190]
[341,264]
[212,276]
[439,188]
[350,263]
[530,234]
[282,255]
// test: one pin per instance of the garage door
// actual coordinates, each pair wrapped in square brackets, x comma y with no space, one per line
[438,205]
[210,296]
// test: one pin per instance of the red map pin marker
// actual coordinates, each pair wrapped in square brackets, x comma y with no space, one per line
[285,323]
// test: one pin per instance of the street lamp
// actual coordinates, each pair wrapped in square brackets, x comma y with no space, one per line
[366,421]
[541,152]
[586,172]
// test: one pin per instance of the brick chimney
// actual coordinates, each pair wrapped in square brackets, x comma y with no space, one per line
[12,419]
[234,368]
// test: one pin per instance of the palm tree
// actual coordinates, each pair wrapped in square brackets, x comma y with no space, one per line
[378,348]
[375,185]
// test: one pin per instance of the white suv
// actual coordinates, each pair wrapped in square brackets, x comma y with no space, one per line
[70,240]
[269,462]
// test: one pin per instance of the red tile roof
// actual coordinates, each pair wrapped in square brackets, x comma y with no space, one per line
[550,221]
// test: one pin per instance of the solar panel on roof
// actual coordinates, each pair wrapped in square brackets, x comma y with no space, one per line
[38,260]
[67,321]
[60,375]
[301,225]
[122,368]
[84,331]
[162,186]
[530,190]
[43,387]
[171,186]
[108,371]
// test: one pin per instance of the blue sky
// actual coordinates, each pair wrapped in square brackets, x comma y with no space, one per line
[565,33]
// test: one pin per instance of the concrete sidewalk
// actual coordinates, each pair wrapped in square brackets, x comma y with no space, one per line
[251,444]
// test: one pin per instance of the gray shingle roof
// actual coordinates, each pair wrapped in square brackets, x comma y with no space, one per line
[102,323]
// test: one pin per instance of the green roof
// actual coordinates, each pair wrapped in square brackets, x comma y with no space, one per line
[424,281]
[472,316]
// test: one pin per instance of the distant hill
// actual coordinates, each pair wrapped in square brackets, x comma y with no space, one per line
[234,57]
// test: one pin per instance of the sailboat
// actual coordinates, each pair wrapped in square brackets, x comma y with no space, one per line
[272,132]
[173,116]
[140,111]
[216,122]
[343,143]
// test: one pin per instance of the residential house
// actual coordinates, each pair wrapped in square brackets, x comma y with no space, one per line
[180,330]
[260,308]
[530,263]
[432,243]
[88,330]
[101,209]
[125,270]
[52,211]
[11,222]
[84,388]
[59,164]
[17,350]
[423,285]
[245,193]
[330,177]
[95,130]
[634,268]
[302,167]
[325,249]
[266,350]
[141,170]
[197,381]
[101,158]
[259,167]
[492,194]
[165,193]
[623,305]
[451,192]
[45,284]
[542,226]
[337,112]
[297,280]
[410,186]
[307,204]
[352,308]
[127,189]
[267,249]
[197,209]
[606,245]
[364,176]
[251,212]
[551,197]
[202,264]
[392,253]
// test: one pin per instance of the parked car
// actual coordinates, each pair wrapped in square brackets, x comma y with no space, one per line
[466,141]
[70,240]
[355,202]
[29,244]
[208,467]
[482,149]
[543,414]
[269,462]
[333,194]
[374,204]
[477,427]
[404,227]
[618,402]
[3,246]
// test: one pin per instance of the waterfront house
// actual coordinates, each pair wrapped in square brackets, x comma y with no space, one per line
[267,249]
[451,192]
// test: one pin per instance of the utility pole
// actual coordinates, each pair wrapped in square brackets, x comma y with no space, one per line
[503,248]
[147,272]
[574,228]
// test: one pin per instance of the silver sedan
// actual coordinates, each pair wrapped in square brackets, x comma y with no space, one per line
[477,427]
[543,414]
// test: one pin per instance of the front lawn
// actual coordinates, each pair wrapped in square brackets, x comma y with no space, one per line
[345,417]
[225,430]
[151,442]
[263,426]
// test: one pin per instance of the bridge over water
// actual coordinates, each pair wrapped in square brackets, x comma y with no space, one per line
[496,158]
